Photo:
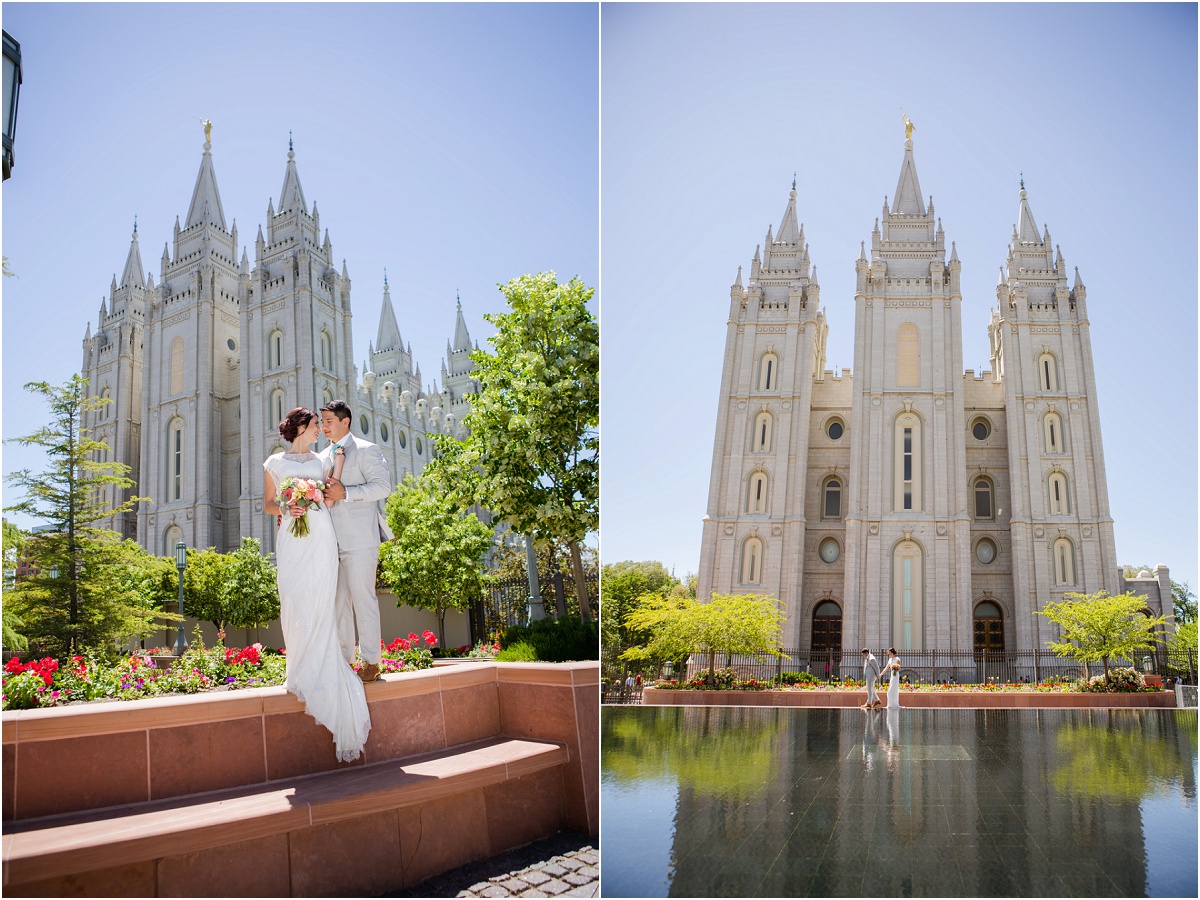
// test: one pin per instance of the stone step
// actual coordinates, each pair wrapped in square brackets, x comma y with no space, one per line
[71,844]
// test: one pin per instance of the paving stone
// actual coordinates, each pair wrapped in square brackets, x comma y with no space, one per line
[534,892]
[477,887]
[588,890]
[571,864]
[515,885]
[554,887]
[536,878]
[554,870]
[493,890]
[588,856]
[574,878]
[590,871]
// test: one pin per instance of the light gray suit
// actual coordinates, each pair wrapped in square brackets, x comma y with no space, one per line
[359,526]
[870,676]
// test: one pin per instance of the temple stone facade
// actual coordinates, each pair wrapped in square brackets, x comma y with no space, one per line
[202,366]
[905,502]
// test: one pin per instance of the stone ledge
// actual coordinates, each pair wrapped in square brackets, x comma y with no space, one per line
[57,846]
[914,700]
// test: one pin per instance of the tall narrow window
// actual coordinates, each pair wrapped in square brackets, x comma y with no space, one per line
[983,499]
[832,507]
[907,593]
[906,463]
[768,372]
[175,459]
[105,407]
[326,351]
[276,407]
[1048,372]
[908,356]
[1059,501]
[275,350]
[172,536]
[762,432]
[1054,435]
[1064,562]
[757,501]
[752,561]
[177,366]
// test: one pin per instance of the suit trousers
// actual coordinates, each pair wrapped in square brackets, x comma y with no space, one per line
[872,696]
[356,600]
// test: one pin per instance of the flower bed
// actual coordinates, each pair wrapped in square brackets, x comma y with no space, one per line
[85,677]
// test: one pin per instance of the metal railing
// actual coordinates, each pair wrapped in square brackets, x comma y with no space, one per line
[918,667]
[506,602]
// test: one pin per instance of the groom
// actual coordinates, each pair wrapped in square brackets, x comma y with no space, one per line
[870,676]
[359,526]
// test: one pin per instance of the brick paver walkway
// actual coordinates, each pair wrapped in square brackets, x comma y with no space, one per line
[565,865]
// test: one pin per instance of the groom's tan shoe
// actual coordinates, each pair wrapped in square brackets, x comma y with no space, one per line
[368,672]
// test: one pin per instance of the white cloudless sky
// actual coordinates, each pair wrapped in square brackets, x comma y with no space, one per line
[708,109]
[455,145]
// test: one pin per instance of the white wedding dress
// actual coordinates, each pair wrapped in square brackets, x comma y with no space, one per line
[893,691]
[307,574]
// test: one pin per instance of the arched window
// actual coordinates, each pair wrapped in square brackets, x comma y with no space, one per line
[768,372]
[172,536]
[326,350]
[275,349]
[984,507]
[1064,562]
[906,463]
[907,596]
[762,432]
[752,561]
[326,397]
[827,628]
[1054,432]
[175,459]
[277,411]
[831,499]
[177,366]
[383,432]
[1060,504]
[756,497]
[908,356]
[1048,372]
[989,628]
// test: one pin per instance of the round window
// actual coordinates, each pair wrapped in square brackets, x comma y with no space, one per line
[383,432]
[420,447]
[365,425]
[835,430]
[981,429]
[231,344]
[830,550]
[401,439]
[985,551]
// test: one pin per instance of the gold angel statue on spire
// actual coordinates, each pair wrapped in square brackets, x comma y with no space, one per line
[207,123]
[908,125]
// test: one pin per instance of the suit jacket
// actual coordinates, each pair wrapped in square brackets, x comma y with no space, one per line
[358,520]
[871,667]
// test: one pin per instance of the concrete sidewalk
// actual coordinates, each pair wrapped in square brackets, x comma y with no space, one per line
[565,865]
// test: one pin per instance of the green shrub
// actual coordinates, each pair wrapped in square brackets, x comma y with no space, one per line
[557,641]
[799,678]
[521,651]
[725,679]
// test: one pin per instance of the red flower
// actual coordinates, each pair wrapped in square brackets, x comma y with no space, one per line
[13,666]
[413,638]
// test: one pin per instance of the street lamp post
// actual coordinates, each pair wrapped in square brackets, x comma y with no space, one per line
[181,564]
[537,608]
[12,88]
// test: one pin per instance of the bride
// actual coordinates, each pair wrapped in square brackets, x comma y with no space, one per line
[893,669]
[307,573]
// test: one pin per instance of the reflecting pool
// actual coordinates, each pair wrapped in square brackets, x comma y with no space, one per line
[732,802]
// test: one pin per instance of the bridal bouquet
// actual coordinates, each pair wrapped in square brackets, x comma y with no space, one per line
[307,493]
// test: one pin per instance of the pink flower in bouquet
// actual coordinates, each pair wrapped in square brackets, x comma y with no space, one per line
[306,493]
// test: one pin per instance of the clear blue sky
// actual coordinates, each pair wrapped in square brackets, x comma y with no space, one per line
[708,109]
[455,145]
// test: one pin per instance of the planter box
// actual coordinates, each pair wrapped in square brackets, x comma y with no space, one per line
[913,700]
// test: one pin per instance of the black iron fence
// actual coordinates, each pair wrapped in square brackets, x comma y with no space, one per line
[917,667]
[507,602]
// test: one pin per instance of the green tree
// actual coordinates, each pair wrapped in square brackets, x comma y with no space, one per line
[509,562]
[436,560]
[204,586]
[1184,637]
[251,590]
[70,495]
[1184,602]
[532,456]
[729,623]
[622,587]
[1097,627]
